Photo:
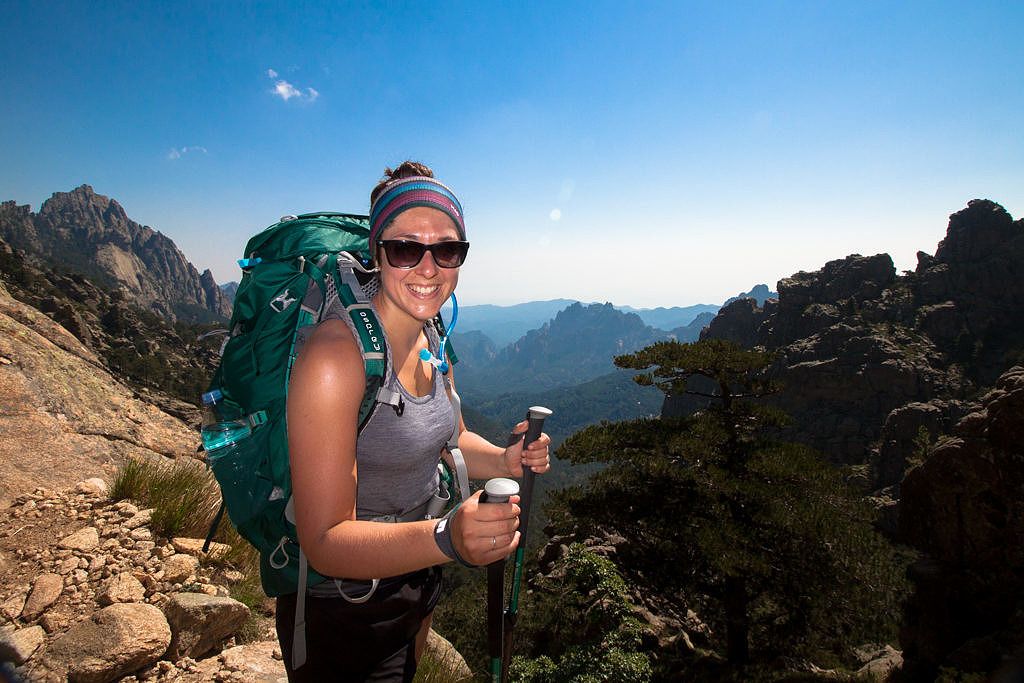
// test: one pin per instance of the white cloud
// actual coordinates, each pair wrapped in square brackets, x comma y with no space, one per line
[556,214]
[177,153]
[287,91]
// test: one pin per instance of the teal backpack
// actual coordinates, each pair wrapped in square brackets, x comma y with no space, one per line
[292,272]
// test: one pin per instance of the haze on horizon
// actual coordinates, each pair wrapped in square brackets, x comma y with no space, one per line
[674,154]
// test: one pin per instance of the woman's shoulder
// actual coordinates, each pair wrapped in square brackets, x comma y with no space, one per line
[331,349]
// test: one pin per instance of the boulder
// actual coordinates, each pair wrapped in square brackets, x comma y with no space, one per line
[115,641]
[180,568]
[448,658]
[200,622]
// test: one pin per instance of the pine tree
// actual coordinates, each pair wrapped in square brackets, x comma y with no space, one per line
[760,538]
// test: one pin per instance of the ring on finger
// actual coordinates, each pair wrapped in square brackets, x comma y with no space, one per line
[494,541]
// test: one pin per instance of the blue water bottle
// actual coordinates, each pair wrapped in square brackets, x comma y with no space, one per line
[222,425]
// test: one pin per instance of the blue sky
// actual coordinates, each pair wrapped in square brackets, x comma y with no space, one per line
[644,154]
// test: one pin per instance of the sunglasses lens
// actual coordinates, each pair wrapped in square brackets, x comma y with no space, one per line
[449,254]
[406,253]
[403,254]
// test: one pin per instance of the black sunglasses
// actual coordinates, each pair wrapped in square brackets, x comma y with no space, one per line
[407,254]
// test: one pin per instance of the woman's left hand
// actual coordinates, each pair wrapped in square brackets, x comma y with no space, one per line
[535,456]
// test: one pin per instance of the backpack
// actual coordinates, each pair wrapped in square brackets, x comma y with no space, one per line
[292,273]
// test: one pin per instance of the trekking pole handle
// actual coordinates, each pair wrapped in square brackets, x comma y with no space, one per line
[497,490]
[535,417]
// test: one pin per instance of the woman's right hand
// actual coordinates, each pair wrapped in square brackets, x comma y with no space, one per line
[483,533]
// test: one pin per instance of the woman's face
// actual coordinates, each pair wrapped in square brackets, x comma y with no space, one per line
[419,291]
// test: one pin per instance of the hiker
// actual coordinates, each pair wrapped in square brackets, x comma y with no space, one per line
[343,484]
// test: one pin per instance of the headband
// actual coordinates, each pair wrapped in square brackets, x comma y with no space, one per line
[405,193]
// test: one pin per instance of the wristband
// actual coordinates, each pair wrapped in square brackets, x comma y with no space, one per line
[443,538]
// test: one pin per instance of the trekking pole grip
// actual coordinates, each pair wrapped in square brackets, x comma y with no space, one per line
[535,417]
[496,491]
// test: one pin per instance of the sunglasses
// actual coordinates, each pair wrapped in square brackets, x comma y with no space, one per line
[407,254]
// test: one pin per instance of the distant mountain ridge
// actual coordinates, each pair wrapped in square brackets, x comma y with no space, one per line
[577,345]
[88,233]
[506,324]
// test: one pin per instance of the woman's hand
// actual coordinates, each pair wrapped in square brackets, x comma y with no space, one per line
[535,456]
[483,533]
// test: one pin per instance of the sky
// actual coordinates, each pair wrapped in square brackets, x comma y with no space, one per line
[646,154]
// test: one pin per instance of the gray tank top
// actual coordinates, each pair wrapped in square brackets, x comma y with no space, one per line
[397,455]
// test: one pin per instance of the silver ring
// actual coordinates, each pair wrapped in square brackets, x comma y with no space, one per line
[493,541]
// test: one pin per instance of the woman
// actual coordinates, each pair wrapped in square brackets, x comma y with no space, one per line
[342,482]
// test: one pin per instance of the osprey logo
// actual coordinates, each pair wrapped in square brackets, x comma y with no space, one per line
[370,330]
[282,301]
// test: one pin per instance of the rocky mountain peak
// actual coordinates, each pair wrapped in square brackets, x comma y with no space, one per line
[855,341]
[92,234]
[977,232]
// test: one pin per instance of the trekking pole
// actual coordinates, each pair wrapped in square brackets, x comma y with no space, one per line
[535,417]
[496,491]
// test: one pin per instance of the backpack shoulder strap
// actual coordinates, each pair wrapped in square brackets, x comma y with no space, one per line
[352,304]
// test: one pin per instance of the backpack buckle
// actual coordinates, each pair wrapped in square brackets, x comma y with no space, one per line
[282,301]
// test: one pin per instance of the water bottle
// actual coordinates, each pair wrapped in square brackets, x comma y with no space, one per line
[222,424]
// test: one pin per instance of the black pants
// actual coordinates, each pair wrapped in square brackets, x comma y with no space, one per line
[374,641]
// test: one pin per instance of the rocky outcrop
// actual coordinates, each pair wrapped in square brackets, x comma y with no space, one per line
[855,342]
[130,342]
[62,413]
[963,507]
[92,234]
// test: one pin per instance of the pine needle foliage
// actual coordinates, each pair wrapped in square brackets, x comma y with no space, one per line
[583,626]
[762,539]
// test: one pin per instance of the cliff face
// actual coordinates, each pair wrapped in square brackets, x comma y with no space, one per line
[962,506]
[856,342]
[91,234]
[919,377]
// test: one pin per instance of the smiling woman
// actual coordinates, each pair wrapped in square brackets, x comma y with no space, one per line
[360,496]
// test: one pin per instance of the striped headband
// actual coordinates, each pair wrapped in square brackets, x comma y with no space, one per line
[405,193]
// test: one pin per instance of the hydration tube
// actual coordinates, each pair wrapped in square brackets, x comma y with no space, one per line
[441,363]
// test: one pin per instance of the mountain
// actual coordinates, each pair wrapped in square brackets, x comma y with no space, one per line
[575,346]
[90,234]
[228,290]
[855,341]
[760,293]
[915,383]
[691,332]
[670,318]
[133,343]
[505,324]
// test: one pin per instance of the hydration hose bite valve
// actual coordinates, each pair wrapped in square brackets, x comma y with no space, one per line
[428,357]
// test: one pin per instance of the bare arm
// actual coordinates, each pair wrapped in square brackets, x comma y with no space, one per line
[326,389]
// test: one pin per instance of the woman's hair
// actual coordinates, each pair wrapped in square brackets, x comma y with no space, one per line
[406,169]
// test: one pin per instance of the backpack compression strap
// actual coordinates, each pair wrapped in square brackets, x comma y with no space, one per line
[461,472]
